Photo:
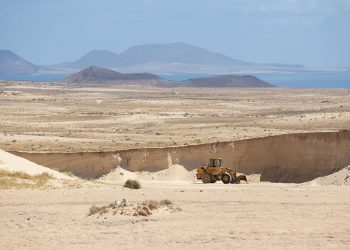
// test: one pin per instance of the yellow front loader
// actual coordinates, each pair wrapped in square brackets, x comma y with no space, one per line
[214,172]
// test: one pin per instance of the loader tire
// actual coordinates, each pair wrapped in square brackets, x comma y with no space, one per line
[234,180]
[206,178]
[226,178]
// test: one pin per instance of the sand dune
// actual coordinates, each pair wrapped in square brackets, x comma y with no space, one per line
[341,177]
[174,173]
[15,163]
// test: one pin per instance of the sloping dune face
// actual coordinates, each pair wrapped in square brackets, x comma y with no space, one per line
[285,158]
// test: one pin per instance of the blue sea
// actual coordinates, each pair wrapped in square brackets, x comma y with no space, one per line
[288,80]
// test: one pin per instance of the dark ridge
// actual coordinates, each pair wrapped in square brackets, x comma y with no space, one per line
[227,81]
[95,74]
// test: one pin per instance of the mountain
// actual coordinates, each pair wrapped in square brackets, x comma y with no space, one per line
[93,75]
[10,63]
[181,53]
[227,81]
[170,57]
[101,58]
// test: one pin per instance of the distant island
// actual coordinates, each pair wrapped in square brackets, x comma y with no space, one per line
[10,63]
[97,75]
[162,58]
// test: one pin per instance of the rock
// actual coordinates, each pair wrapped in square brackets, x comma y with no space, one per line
[142,212]
[125,203]
[147,210]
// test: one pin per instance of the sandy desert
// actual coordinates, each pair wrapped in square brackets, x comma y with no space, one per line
[75,146]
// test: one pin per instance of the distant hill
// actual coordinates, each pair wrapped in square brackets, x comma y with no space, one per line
[101,58]
[227,81]
[10,63]
[96,75]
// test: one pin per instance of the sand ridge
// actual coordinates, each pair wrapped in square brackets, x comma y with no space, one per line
[15,163]
[174,173]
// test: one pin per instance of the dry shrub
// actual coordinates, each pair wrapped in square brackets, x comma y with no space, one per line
[21,180]
[70,174]
[98,210]
[132,184]
[153,204]
[166,202]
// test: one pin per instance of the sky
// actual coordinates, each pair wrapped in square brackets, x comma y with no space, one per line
[309,32]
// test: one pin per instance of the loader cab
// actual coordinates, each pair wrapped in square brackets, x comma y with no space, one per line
[215,163]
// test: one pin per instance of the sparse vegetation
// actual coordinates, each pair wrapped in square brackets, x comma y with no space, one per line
[166,202]
[153,204]
[132,184]
[70,174]
[21,180]
[97,210]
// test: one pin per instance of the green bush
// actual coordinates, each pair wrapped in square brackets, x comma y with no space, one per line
[132,184]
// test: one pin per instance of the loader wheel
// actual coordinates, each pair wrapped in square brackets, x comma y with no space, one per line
[226,178]
[234,180]
[206,178]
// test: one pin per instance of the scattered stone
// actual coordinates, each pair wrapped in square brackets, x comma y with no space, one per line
[125,203]
[142,212]
[145,208]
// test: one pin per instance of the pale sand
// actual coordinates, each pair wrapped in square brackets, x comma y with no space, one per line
[173,173]
[248,216]
[341,177]
[14,163]
[254,216]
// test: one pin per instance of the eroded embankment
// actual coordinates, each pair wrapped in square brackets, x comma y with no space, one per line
[283,158]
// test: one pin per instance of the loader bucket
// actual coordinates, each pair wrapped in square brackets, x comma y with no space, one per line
[240,178]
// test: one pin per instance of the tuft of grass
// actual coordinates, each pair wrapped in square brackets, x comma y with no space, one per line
[21,180]
[97,210]
[70,174]
[166,202]
[132,184]
[12,174]
[153,204]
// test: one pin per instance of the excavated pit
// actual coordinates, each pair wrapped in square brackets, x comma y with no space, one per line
[289,158]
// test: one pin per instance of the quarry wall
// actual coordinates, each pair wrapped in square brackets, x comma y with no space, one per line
[295,157]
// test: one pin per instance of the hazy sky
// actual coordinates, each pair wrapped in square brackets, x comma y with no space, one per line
[309,32]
